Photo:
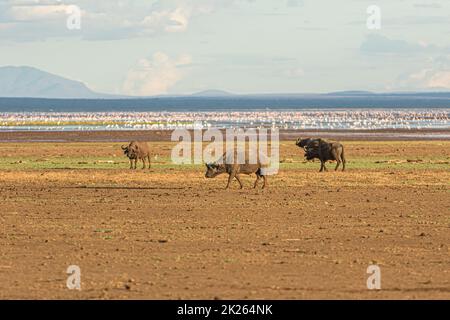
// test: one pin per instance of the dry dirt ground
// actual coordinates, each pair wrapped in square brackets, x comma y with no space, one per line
[169,233]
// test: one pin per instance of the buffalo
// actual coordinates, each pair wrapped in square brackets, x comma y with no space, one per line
[225,165]
[324,151]
[137,151]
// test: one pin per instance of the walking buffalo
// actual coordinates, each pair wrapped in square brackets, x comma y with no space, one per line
[226,165]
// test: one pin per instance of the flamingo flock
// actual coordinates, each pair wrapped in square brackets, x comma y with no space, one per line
[354,119]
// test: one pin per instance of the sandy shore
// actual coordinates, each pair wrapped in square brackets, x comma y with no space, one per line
[165,135]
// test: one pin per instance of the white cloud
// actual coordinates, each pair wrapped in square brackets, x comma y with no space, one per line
[31,20]
[101,19]
[155,75]
[379,44]
[436,76]
[440,80]
[169,20]
[40,12]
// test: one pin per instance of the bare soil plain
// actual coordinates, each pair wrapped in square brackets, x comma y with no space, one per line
[170,233]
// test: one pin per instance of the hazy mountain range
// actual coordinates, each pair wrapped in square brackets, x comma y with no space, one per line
[33,83]
[29,82]
[30,89]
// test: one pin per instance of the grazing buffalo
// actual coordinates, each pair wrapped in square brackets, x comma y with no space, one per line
[324,151]
[234,169]
[137,151]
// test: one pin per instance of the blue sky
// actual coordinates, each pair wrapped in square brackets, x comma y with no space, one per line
[150,47]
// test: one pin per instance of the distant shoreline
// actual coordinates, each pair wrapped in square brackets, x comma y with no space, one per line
[165,135]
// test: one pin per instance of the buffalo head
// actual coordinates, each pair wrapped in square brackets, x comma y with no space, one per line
[130,150]
[302,143]
[213,170]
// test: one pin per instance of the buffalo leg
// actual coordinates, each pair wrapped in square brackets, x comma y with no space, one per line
[265,181]
[230,178]
[149,162]
[338,162]
[239,180]
[131,163]
[336,155]
[143,163]
[322,166]
[256,181]
[337,165]
[135,163]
